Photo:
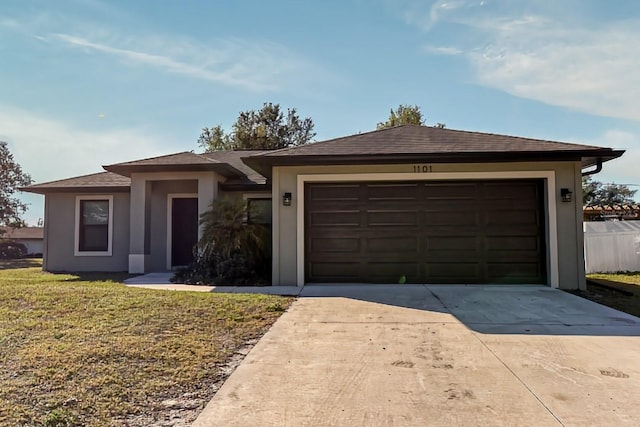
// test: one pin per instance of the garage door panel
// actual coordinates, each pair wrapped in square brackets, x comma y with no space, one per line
[335,271]
[391,192]
[512,243]
[510,190]
[513,271]
[441,272]
[393,244]
[392,218]
[513,204]
[333,218]
[429,232]
[335,244]
[450,191]
[451,218]
[452,243]
[392,272]
[512,217]
[335,192]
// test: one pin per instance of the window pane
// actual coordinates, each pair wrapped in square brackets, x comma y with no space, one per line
[260,211]
[94,226]
[94,238]
[95,212]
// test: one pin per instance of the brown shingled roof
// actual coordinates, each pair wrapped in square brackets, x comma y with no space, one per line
[178,162]
[424,143]
[102,181]
[412,139]
[229,163]
[234,158]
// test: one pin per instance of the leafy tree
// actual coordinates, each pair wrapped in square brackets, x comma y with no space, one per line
[11,177]
[214,139]
[266,129]
[595,193]
[403,115]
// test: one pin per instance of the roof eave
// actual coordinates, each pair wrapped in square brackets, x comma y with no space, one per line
[223,169]
[78,189]
[264,164]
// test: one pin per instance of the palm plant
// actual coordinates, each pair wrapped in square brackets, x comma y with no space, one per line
[231,249]
[226,230]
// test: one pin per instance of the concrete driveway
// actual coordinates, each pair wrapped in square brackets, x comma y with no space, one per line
[404,355]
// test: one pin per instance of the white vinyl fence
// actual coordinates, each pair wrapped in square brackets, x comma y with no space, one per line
[612,246]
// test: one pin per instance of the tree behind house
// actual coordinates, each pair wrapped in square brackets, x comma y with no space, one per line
[595,193]
[266,129]
[403,115]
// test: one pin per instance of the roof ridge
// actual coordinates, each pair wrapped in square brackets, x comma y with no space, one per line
[202,156]
[148,158]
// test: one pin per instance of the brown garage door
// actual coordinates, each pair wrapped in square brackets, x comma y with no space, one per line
[425,232]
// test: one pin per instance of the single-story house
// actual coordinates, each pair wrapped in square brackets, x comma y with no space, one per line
[410,203]
[31,237]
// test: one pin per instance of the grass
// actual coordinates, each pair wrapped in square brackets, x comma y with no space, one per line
[78,351]
[620,291]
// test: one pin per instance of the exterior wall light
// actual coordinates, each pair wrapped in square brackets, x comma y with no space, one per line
[286,199]
[566,195]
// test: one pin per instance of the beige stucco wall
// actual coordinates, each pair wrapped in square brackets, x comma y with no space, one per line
[60,232]
[568,238]
[148,220]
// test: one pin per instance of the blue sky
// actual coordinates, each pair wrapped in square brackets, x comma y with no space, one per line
[85,83]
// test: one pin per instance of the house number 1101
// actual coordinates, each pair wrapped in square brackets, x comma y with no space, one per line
[422,168]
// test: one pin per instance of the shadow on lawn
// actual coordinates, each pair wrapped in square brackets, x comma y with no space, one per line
[105,276]
[9,264]
[621,296]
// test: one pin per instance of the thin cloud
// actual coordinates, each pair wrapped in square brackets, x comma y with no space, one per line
[48,149]
[443,50]
[238,72]
[591,68]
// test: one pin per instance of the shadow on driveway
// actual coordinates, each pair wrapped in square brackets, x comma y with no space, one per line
[496,309]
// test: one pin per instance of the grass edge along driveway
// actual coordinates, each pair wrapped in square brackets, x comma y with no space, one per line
[75,350]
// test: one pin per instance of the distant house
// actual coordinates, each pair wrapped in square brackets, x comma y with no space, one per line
[611,213]
[31,237]
[410,203]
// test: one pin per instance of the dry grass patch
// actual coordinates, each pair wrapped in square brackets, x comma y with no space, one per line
[93,353]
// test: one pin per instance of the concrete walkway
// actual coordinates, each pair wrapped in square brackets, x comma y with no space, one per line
[437,356]
[162,281]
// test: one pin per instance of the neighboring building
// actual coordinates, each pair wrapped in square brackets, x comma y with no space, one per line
[611,213]
[31,237]
[427,204]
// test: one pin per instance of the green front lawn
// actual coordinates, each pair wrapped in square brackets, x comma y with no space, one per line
[75,350]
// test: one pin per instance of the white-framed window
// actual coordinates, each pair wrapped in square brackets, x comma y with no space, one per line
[94,225]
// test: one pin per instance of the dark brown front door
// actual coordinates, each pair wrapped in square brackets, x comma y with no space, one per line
[425,232]
[184,230]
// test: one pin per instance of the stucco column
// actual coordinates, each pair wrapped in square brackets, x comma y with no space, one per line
[207,192]
[139,224]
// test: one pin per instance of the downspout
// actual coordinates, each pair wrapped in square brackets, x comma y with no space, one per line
[596,170]
[581,271]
